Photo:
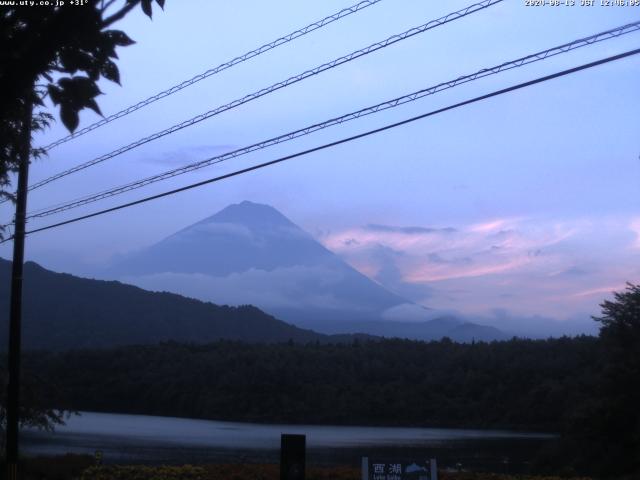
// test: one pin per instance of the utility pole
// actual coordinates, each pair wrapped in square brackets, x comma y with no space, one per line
[15,315]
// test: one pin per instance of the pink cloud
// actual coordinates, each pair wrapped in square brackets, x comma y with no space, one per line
[531,266]
[431,273]
[600,291]
[470,251]
[490,226]
[362,238]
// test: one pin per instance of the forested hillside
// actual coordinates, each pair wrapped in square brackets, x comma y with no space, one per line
[63,311]
[516,384]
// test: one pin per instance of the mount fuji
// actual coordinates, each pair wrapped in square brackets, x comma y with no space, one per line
[250,253]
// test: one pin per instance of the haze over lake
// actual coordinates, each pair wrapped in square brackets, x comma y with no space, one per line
[149,439]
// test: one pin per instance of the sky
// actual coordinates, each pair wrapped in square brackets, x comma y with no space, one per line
[523,205]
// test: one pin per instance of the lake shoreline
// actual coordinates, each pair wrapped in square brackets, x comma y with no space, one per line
[524,429]
[138,439]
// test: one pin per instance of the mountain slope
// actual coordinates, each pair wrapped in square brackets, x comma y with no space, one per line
[61,311]
[251,253]
[435,329]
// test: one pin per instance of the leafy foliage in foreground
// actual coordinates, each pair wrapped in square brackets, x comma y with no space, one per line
[264,472]
[61,467]
[142,472]
[499,476]
[75,45]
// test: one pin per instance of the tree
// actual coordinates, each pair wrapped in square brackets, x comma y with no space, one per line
[43,404]
[603,437]
[620,382]
[61,52]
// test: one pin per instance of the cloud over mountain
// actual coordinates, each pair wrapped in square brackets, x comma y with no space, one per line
[525,266]
[252,254]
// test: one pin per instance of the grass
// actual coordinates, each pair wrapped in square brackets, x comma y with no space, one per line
[82,467]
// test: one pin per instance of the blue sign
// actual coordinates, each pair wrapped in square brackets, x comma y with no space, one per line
[379,469]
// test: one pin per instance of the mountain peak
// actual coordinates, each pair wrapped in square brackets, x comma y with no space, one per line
[251,253]
[250,214]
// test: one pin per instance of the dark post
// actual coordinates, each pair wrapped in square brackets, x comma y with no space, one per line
[292,457]
[15,315]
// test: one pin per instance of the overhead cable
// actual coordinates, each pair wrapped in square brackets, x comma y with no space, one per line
[535,57]
[276,86]
[339,142]
[212,71]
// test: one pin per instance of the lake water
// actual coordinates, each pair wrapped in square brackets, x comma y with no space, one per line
[147,439]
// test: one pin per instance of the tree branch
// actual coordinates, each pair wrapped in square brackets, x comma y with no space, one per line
[119,15]
[106,7]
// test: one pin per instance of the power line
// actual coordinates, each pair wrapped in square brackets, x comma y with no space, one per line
[223,66]
[608,34]
[276,86]
[344,140]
